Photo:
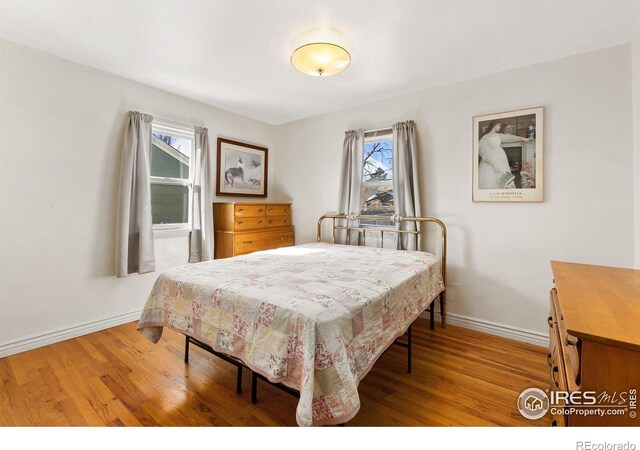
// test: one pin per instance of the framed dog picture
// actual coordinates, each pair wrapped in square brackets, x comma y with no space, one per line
[242,169]
[507,156]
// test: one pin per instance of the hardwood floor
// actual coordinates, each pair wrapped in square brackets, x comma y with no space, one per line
[116,377]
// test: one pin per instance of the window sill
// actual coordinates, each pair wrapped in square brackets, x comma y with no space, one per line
[170,232]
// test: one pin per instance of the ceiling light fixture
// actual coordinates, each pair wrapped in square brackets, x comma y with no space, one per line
[320,59]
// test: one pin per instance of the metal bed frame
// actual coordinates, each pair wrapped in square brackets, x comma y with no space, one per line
[397,220]
[361,238]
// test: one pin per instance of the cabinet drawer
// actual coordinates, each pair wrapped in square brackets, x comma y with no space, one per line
[251,242]
[278,210]
[249,211]
[558,381]
[552,335]
[247,243]
[278,221]
[248,223]
[282,239]
[552,321]
[570,346]
[557,373]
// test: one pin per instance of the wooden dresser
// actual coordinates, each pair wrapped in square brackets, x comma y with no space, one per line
[241,228]
[594,341]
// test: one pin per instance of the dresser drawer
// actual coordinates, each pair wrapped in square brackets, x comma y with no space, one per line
[264,240]
[248,223]
[558,378]
[247,243]
[249,211]
[265,237]
[278,210]
[278,221]
[569,346]
[553,340]
[558,383]
[279,239]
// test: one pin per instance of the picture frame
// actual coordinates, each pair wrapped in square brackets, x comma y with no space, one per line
[508,156]
[242,169]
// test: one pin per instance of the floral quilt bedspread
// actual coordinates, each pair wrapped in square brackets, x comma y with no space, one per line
[315,317]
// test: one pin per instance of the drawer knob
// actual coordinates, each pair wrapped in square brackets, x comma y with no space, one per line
[286,221]
[549,359]
[246,242]
[259,221]
[571,341]
[240,223]
[260,210]
[240,210]
[271,221]
[271,210]
[550,321]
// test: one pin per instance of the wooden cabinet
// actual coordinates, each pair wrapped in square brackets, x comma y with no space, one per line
[594,343]
[241,228]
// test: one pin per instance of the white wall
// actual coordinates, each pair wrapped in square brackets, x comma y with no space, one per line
[635,61]
[61,127]
[60,135]
[498,253]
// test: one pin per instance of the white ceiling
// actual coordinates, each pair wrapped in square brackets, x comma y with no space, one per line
[234,54]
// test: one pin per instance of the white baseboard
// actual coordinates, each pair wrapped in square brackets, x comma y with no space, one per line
[31,342]
[497,329]
[40,340]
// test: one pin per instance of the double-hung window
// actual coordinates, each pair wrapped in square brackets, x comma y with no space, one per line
[376,198]
[172,150]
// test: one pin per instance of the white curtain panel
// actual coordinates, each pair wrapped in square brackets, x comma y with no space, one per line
[201,239]
[134,232]
[405,181]
[351,183]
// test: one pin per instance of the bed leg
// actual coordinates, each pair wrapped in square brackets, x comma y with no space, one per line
[443,309]
[239,381]
[186,349]
[254,388]
[432,311]
[409,349]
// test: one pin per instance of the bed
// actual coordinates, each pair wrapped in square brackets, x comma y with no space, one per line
[314,317]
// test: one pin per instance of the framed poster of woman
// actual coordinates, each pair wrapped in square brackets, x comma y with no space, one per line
[508,156]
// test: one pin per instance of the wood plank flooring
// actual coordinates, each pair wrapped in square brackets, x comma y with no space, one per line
[116,377]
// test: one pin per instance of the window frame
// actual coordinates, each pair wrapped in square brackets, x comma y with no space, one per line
[369,137]
[184,132]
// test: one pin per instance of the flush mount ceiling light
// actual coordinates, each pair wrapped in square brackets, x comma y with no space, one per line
[320,59]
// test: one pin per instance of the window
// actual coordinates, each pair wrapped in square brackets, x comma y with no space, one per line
[172,147]
[377,177]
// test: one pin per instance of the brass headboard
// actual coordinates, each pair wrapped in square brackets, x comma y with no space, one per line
[362,231]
